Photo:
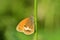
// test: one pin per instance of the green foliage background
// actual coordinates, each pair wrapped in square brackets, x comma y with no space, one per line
[11,13]
[49,26]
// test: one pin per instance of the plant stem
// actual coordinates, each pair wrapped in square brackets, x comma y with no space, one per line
[35,17]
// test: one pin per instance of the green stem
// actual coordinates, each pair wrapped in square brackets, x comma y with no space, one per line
[35,17]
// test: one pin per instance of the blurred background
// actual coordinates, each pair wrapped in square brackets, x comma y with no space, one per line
[48,19]
[11,13]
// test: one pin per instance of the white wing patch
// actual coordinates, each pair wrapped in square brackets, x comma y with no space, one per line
[27,28]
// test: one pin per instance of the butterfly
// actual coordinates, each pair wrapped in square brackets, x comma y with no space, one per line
[26,26]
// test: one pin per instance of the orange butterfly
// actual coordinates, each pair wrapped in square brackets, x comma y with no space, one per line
[26,26]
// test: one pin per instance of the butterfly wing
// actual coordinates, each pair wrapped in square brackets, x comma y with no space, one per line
[26,26]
